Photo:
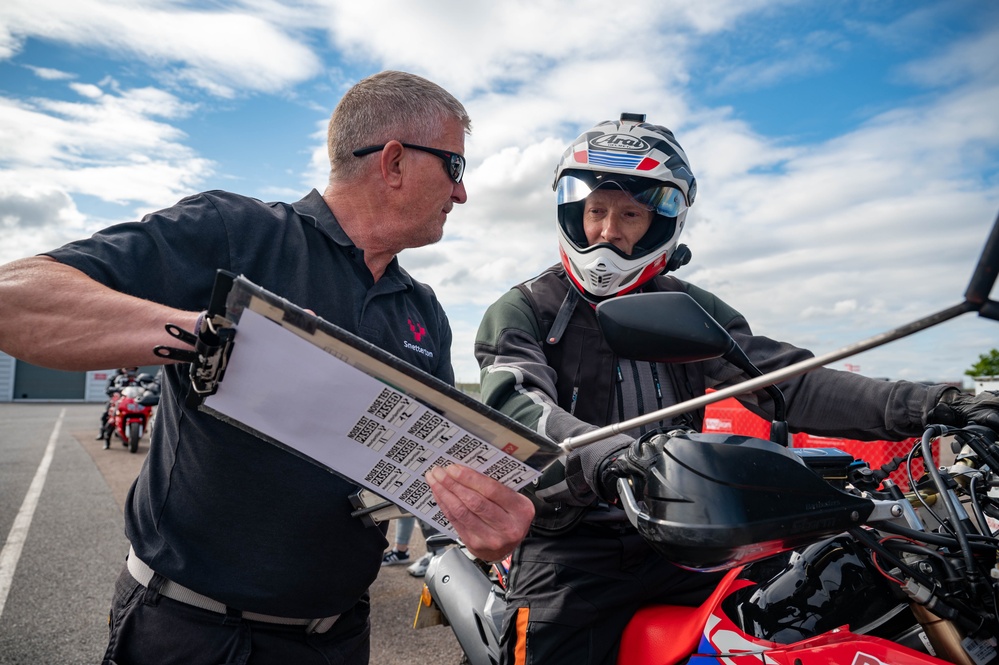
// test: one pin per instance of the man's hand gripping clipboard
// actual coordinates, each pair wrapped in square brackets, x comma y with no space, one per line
[320,392]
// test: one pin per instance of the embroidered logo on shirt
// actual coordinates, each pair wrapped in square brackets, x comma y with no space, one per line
[417,329]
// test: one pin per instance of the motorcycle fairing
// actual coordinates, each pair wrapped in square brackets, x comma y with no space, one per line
[724,643]
[668,633]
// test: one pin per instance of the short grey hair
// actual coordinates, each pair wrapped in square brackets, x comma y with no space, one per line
[386,106]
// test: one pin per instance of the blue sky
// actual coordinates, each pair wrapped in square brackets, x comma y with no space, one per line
[847,153]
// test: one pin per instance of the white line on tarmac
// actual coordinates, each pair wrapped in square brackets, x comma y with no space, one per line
[11,551]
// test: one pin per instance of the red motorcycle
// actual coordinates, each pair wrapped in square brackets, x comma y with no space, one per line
[829,562]
[130,410]
[876,576]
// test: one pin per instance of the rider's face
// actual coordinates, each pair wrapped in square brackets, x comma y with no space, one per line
[612,216]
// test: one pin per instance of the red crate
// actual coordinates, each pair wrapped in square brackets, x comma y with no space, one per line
[729,417]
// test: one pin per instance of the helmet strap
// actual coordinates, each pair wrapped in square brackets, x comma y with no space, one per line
[563,316]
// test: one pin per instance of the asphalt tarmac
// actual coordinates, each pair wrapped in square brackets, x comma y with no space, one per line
[54,598]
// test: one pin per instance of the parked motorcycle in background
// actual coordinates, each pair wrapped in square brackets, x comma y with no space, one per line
[130,409]
[829,561]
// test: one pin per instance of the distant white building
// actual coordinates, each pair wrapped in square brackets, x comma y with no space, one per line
[21,381]
[983,383]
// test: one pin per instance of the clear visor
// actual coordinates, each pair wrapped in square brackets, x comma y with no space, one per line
[665,200]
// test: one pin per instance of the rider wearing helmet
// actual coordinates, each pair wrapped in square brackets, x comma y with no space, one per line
[626,160]
[126,376]
[623,191]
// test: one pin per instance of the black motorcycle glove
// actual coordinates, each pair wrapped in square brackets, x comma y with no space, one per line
[632,463]
[958,409]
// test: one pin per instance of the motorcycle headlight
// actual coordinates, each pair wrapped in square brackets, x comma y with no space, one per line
[132,406]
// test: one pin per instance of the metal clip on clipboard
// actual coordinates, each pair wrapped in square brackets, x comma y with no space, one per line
[211,342]
[372,509]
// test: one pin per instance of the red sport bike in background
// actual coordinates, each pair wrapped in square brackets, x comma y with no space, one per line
[130,410]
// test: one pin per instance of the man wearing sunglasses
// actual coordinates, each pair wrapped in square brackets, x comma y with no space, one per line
[241,552]
[622,190]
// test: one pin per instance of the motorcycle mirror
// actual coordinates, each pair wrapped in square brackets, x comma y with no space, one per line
[671,327]
[667,327]
[984,277]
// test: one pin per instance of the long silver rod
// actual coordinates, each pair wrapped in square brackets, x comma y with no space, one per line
[770,378]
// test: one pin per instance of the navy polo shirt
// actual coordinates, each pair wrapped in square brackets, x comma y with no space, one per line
[217,509]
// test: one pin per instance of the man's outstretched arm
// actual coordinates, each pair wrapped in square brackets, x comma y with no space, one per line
[55,316]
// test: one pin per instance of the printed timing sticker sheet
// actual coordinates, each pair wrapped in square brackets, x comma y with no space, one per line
[286,388]
[410,440]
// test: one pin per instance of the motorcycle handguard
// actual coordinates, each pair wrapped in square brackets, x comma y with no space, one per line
[714,501]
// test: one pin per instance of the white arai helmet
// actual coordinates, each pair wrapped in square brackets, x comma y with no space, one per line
[644,160]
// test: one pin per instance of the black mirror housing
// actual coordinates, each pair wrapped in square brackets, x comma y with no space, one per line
[636,326]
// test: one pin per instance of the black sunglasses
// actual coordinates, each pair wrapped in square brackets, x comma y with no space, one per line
[454,163]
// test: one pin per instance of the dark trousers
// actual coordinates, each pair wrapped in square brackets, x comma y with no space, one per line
[149,629]
[570,597]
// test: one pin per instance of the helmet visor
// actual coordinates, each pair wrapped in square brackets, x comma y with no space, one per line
[665,200]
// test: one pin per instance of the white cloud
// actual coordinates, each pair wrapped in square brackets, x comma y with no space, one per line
[474,47]
[975,57]
[87,90]
[34,218]
[108,145]
[221,51]
[49,74]
[784,67]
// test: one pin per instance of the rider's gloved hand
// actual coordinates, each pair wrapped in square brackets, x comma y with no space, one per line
[958,409]
[632,463]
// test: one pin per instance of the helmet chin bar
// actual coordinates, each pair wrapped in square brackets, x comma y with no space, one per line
[601,277]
